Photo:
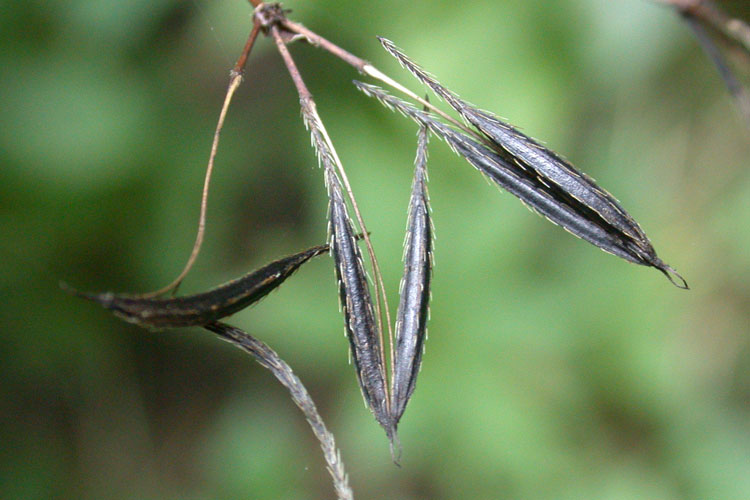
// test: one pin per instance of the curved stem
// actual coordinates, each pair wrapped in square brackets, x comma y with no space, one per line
[708,12]
[234,83]
[268,358]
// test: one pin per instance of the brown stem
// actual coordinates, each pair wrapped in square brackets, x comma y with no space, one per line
[317,40]
[735,88]
[368,69]
[235,80]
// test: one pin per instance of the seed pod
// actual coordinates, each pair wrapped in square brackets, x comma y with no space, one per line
[202,308]
[553,203]
[354,292]
[413,309]
[357,305]
[529,154]
[549,171]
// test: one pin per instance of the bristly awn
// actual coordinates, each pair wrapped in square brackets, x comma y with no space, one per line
[268,358]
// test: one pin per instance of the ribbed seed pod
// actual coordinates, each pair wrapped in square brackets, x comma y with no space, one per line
[354,292]
[542,196]
[357,305]
[529,154]
[413,309]
[547,171]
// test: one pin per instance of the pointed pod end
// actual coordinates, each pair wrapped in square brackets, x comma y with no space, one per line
[394,443]
[673,276]
[105,299]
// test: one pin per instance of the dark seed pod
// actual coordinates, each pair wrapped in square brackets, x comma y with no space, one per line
[202,308]
[357,305]
[555,204]
[354,292]
[530,155]
[549,171]
[413,309]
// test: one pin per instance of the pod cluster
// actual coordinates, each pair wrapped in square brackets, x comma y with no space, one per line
[540,178]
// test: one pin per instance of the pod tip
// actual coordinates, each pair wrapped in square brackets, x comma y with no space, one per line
[673,276]
[101,298]
[394,443]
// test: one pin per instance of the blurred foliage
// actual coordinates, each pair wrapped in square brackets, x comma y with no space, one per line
[552,371]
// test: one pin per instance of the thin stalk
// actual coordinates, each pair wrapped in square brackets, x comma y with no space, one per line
[234,82]
[368,69]
[306,96]
[268,358]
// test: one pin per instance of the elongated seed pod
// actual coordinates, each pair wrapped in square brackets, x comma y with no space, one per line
[356,303]
[535,195]
[413,309]
[354,292]
[528,153]
[203,308]
[529,159]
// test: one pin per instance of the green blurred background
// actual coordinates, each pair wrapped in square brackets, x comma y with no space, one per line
[552,370]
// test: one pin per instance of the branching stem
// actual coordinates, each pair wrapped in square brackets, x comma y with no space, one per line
[703,16]
[368,69]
